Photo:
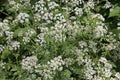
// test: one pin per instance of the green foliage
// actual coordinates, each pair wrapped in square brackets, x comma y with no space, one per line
[115,12]
[59,40]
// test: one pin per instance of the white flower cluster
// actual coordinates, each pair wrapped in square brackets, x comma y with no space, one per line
[47,17]
[28,34]
[68,61]
[22,18]
[3,27]
[77,2]
[25,2]
[107,67]
[40,39]
[52,5]
[97,71]
[99,16]
[53,65]
[78,11]
[2,65]
[107,5]
[15,6]
[90,4]
[117,75]
[9,36]
[39,9]
[29,63]
[56,63]
[118,24]
[59,18]
[99,31]
[76,33]
[83,45]
[92,45]
[57,32]
[14,45]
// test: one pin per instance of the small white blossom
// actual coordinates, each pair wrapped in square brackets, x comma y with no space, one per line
[82,44]
[56,63]
[68,61]
[2,64]
[29,62]
[78,11]
[118,28]
[99,16]
[103,60]
[99,31]
[107,5]
[30,32]
[52,5]
[4,26]
[118,24]
[22,18]
[9,35]
[26,40]
[107,72]
[12,2]
[117,75]
[1,48]
[91,4]
[14,45]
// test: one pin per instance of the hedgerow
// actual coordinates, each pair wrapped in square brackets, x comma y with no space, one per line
[60,40]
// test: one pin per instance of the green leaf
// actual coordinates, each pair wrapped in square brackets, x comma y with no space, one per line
[5,54]
[115,12]
[65,75]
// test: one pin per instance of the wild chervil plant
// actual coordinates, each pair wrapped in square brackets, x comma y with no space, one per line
[58,40]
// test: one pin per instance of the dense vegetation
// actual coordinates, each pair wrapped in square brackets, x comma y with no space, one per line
[59,40]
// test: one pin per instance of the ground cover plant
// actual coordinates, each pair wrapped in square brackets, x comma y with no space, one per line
[59,40]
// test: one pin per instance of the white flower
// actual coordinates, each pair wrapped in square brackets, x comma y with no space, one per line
[107,5]
[118,23]
[117,75]
[112,78]
[11,2]
[99,31]
[22,18]
[108,65]
[2,64]
[68,61]
[52,5]
[78,11]
[40,39]
[110,46]
[30,32]
[118,28]
[99,16]
[91,4]
[4,26]
[1,48]
[14,45]
[76,2]
[56,63]
[103,60]
[29,62]
[9,35]
[82,44]
[107,72]
[26,40]
[40,7]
